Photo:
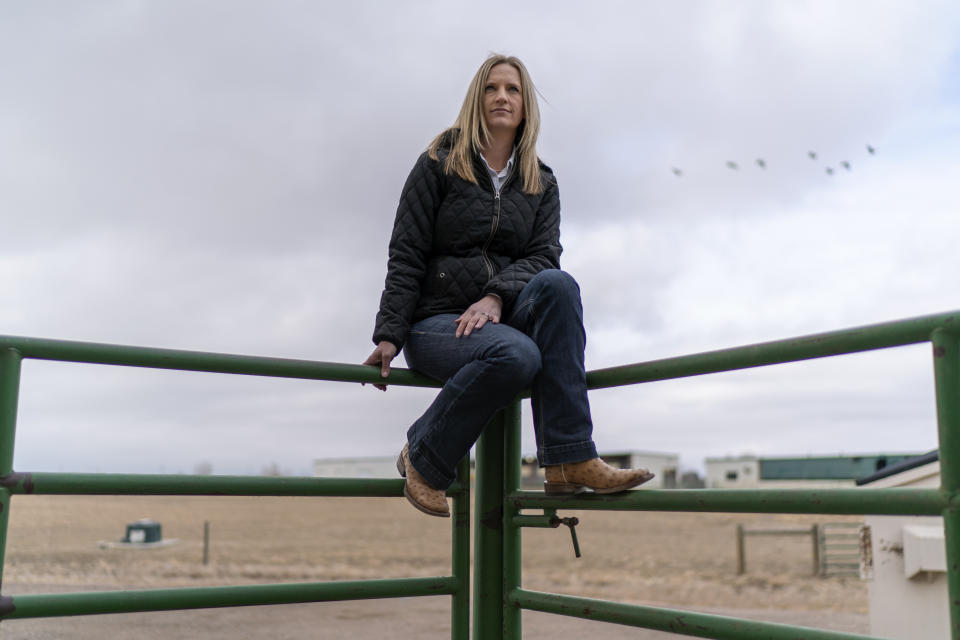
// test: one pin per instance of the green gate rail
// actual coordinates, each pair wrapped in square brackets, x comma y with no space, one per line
[498,468]
[498,595]
[14,349]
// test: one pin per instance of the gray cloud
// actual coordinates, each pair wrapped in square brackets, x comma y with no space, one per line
[223,177]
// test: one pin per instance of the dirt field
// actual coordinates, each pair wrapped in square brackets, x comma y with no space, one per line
[677,560]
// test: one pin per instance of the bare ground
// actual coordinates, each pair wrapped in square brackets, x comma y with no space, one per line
[685,561]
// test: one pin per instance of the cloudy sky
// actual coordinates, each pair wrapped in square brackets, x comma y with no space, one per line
[223,175]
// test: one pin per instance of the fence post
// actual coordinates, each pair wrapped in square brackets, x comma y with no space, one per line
[206,542]
[488,533]
[815,534]
[741,556]
[9,392]
[460,602]
[946,368]
[512,555]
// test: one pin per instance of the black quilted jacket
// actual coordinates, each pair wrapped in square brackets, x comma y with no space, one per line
[454,242]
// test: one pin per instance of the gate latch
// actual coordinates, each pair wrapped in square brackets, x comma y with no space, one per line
[556,521]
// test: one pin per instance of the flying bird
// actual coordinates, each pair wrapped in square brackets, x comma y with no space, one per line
[845,165]
[871,150]
[829,171]
[812,154]
[732,165]
[761,163]
[676,172]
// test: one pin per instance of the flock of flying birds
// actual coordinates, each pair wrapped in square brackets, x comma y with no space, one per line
[760,162]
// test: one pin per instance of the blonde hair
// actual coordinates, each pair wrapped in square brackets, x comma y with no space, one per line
[469,133]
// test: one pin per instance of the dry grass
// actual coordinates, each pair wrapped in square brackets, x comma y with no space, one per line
[674,559]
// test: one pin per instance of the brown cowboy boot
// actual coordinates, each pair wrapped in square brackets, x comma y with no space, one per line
[569,478]
[420,494]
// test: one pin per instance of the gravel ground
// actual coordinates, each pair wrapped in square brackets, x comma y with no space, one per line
[676,560]
[361,620]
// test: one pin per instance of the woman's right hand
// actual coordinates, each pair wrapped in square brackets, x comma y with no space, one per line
[381,357]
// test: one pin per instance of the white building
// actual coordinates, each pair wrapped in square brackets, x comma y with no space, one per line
[735,472]
[904,559]
[382,467]
[664,465]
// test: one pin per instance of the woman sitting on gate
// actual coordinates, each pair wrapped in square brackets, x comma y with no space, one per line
[475,297]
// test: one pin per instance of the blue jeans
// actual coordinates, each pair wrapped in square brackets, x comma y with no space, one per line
[540,346]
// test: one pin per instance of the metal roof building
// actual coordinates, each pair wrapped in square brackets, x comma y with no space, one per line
[828,468]
[741,472]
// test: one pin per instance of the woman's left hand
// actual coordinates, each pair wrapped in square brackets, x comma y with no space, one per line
[486,309]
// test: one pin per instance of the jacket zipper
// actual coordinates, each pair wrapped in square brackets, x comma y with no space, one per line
[494,224]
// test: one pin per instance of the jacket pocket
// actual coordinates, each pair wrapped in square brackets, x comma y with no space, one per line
[437,279]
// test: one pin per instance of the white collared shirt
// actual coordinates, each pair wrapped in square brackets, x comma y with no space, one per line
[500,177]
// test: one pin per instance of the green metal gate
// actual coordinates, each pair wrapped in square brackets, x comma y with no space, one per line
[14,350]
[839,544]
[499,597]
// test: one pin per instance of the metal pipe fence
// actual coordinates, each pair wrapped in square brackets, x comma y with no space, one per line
[743,533]
[840,548]
[14,349]
[498,595]
[940,330]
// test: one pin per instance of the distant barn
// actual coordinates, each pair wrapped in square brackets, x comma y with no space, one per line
[744,472]
[371,467]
